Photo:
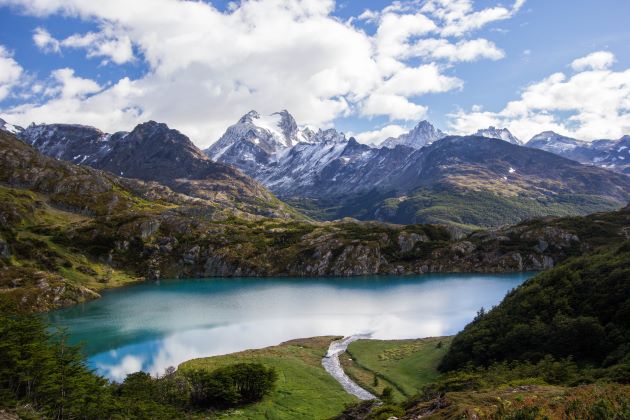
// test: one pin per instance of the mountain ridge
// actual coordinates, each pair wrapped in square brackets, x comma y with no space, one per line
[154,152]
[330,176]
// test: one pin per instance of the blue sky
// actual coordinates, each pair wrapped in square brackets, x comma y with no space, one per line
[535,40]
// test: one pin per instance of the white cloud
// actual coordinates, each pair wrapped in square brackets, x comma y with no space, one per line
[129,364]
[10,72]
[45,41]
[396,107]
[596,100]
[207,67]
[442,49]
[418,81]
[109,42]
[459,18]
[377,136]
[70,86]
[598,60]
[394,31]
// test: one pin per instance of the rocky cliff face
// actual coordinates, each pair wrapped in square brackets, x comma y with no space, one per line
[181,248]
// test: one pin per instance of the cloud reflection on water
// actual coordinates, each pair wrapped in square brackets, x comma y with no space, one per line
[156,326]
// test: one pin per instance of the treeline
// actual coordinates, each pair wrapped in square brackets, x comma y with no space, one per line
[42,376]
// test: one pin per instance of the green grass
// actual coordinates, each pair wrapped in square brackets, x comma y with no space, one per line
[407,365]
[304,389]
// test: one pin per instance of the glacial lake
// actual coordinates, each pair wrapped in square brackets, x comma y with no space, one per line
[152,326]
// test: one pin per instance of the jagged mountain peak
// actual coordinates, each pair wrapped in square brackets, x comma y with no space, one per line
[330,135]
[249,117]
[504,134]
[288,125]
[423,134]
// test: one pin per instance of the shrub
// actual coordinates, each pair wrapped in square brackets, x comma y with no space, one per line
[233,385]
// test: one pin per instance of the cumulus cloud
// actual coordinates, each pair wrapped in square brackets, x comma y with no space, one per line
[129,364]
[598,60]
[465,50]
[596,100]
[397,107]
[70,86]
[45,41]
[377,136]
[108,43]
[418,81]
[207,67]
[10,72]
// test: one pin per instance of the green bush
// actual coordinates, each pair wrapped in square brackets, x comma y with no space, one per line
[233,385]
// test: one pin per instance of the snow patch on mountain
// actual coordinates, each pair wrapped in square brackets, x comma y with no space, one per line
[10,128]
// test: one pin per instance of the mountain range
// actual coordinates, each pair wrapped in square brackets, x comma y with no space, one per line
[424,176]
[154,152]
[67,231]
[609,154]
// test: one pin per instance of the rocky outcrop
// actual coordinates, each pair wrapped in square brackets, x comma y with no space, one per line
[353,249]
[407,241]
[39,291]
[5,251]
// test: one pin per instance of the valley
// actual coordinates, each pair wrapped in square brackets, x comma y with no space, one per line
[214,264]
[314,210]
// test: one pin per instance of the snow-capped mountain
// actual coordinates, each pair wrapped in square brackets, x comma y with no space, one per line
[498,133]
[610,154]
[325,172]
[422,135]
[256,140]
[614,155]
[10,128]
[553,142]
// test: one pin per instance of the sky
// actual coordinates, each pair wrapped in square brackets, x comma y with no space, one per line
[370,68]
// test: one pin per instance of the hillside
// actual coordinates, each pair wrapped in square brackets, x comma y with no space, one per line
[578,310]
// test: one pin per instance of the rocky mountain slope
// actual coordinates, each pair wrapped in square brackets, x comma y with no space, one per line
[461,180]
[154,152]
[69,231]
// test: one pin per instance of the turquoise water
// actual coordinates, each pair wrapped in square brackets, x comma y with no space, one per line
[156,325]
